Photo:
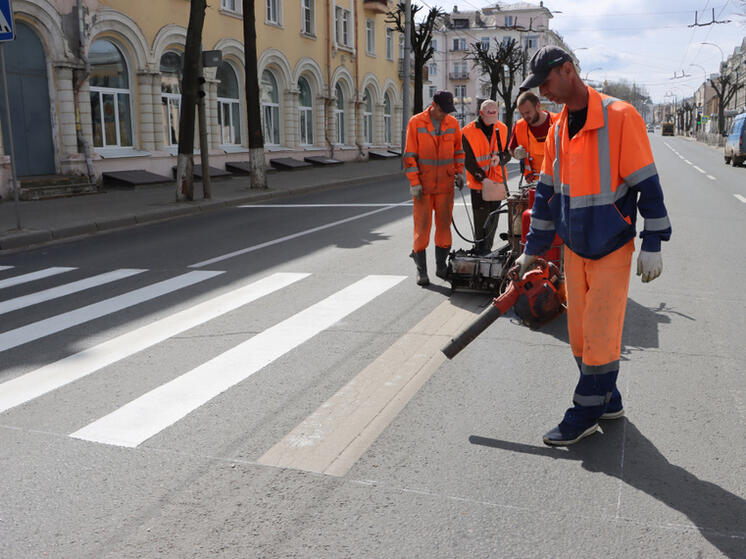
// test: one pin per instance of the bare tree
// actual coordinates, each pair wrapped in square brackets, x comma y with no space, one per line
[253,115]
[502,62]
[421,40]
[725,88]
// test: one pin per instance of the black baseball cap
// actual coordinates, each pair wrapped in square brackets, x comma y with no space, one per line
[542,63]
[444,99]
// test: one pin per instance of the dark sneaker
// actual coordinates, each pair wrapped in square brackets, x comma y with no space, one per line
[564,434]
[613,414]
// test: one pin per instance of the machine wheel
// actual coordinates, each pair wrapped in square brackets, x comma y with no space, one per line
[726,159]
[735,161]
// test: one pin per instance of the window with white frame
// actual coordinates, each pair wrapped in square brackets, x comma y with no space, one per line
[308,17]
[343,26]
[532,41]
[270,101]
[431,91]
[110,96]
[229,105]
[459,44]
[339,115]
[170,69]
[433,69]
[509,21]
[368,117]
[370,36]
[389,44]
[387,126]
[231,5]
[485,41]
[460,91]
[305,110]
[434,44]
[273,11]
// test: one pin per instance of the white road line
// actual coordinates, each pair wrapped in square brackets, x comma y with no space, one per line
[700,170]
[681,157]
[48,326]
[5,268]
[67,289]
[32,276]
[741,198]
[333,438]
[293,236]
[50,377]
[687,161]
[156,410]
[259,206]
[711,178]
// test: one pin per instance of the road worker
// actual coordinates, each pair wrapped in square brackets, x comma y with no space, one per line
[598,170]
[434,164]
[529,134]
[485,155]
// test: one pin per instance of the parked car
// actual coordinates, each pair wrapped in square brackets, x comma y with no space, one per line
[667,129]
[734,151]
[650,128]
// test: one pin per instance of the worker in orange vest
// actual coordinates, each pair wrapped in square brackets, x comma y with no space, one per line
[598,171]
[434,164]
[529,134]
[485,140]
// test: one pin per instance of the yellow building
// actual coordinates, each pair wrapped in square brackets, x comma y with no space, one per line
[328,74]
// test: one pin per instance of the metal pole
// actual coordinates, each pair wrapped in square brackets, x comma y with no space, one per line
[10,140]
[405,67]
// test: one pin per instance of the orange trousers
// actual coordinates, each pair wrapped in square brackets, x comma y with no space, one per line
[596,303]
[442,205]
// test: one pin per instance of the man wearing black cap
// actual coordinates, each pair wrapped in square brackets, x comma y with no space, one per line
[598,171]
[434,163]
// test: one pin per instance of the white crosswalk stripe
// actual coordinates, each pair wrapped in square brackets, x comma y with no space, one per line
[5,268]
[146,416]
[33,276]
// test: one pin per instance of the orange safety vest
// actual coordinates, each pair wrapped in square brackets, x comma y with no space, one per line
[485,152]
[432,158]
[534,147]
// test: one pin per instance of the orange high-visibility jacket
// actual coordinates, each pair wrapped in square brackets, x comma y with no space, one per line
[432,158]
[535,148]
[589,186]
[484,152]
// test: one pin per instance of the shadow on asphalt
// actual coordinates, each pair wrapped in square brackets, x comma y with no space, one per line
[719,515]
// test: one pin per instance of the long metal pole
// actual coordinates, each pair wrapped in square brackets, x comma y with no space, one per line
[9,140]
[405,65]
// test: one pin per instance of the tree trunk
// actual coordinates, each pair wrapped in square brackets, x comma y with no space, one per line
[189,97]
[417,105]
[253,115]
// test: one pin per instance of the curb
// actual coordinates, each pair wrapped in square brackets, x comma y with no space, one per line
[41,237]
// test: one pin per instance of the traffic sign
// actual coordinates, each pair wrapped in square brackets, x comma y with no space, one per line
[6,21]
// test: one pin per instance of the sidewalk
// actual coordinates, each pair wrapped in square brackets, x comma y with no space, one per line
[44,221]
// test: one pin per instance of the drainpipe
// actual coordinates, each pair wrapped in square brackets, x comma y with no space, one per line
[357,86]
[82,77]
[328,100]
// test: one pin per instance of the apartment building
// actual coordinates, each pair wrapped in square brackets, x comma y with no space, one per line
[450,68]
[327,68]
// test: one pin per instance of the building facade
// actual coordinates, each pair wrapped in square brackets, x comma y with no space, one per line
[327,70]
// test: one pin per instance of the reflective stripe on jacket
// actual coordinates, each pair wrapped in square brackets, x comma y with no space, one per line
[534,147]
[433,158]
[485,152]
[590,184]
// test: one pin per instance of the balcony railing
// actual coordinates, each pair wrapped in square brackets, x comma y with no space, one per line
[425,71]
[458,75]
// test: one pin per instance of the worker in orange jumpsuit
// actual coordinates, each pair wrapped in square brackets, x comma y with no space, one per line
[485,141]
[598,171]
[529,134]
[434,164]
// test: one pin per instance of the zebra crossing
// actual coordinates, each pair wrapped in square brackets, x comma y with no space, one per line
[135,422]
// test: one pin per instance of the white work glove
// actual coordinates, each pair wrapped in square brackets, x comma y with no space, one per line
[416,191]
[458,181]
[525,261]
[649,265]
[520,153]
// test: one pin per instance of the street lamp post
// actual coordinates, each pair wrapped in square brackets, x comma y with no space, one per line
[589,71]
[722,54]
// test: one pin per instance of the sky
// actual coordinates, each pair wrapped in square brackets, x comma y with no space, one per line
[643,41]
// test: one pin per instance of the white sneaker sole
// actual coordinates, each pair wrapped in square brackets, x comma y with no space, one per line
[592,429]
[613,415]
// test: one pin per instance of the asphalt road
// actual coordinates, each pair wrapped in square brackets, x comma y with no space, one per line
[265,382]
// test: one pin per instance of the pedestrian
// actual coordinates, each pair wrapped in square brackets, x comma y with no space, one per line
[529,133]
[598,171]
[485,140]
[434,164]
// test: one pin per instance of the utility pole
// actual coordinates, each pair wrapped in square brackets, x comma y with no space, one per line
[405,66]
[189,98]
[203,144]
[253,115]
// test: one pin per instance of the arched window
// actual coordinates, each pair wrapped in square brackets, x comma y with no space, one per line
[387,118]
[339,115]
[110,96]
[229,108]
[270,100]
[305,108]
[170,96]
[368,117]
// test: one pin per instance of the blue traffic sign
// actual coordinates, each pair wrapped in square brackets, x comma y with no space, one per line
[6,21]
